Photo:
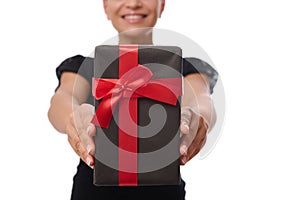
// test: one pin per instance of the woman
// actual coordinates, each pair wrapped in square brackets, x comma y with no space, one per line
[71,107]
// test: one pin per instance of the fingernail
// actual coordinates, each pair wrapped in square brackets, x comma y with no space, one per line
[88,148]
[183,149]
[88,129]
[88,161]
[184,160]
[185,125]
[185,128]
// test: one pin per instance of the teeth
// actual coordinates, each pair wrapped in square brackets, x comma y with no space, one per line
[133,17]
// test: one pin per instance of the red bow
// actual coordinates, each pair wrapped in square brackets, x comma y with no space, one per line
[133,84]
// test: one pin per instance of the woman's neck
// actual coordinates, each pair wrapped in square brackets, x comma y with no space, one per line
[137,36]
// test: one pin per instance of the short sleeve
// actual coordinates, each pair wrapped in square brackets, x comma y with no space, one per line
[71,64]
[195,65]
[77,64]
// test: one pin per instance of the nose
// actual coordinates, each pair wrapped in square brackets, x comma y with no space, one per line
[133,4]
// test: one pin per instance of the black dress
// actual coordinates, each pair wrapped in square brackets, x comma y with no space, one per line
[83,187]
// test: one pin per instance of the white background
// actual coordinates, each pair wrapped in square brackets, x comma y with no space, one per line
[254,45]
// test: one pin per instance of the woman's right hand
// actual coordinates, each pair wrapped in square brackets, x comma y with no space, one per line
[81,131]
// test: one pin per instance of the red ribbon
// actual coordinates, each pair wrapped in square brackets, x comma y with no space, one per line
[135,82]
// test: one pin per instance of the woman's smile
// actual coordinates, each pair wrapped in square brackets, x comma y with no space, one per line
[133,18]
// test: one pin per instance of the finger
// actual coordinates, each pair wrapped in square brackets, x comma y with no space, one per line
[185,148]
[91,130]
[74,141]
[201,131]
[85,130]
[186,115]
[81,151]
[187,139]
[87,140]
[198,142]
[194,123]
[77,146]
[90,144]
[90,161]
[195,149]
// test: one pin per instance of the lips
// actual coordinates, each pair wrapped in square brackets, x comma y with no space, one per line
[134,18]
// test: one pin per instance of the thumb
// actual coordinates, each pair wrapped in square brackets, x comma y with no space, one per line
[185,121]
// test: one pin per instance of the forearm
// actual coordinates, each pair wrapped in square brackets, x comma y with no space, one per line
[197,95]
[72,92]
[62,105]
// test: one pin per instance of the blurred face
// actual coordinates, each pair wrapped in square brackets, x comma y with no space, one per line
[127,15]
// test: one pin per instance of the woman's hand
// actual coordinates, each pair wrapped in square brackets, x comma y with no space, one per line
[81,131]
[197,116]
[193,134]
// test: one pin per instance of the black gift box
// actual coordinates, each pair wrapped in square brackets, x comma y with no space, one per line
[158,135]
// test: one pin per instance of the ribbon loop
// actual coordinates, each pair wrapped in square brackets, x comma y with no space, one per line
[133,84]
